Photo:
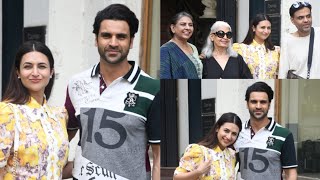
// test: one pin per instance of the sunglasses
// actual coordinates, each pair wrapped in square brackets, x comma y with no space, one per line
[221,34]
[299,4]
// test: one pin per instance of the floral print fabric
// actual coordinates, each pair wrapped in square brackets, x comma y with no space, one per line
[262,64]
[43,140]
[222,167]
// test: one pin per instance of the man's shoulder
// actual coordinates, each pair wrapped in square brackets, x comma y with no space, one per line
[83,74]
[147,83]
[317,29]
[147,77]
[281,131]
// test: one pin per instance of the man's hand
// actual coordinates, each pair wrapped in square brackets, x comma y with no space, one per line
[156,161]
[67,170]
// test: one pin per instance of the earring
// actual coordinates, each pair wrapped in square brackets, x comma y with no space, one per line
[50,76]
[18,77]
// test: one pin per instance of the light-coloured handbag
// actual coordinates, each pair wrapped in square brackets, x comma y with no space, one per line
[15,110]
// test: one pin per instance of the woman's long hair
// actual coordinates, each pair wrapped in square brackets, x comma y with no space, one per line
[209,46]
[250,35]
[16,92]
[211,139]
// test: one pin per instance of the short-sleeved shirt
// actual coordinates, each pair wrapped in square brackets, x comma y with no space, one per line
[43,140]
[270,150]
[223,162]
[263,63]
[115,125]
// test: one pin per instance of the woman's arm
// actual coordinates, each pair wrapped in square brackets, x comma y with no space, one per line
[203,168]
[7,134]
[193,163]
[1,173]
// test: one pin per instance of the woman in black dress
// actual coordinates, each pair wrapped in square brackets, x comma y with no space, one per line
[221,62]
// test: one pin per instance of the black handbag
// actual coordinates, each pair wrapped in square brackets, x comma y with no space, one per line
[290,74]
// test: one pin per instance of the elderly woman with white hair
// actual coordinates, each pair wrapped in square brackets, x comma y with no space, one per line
[221,61]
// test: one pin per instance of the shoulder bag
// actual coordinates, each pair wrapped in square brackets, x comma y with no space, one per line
[16,138]
[290,74]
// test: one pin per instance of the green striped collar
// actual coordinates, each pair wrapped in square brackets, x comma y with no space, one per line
[131,76]
[270,126]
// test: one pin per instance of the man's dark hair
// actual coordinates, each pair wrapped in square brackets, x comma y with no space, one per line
[259,87]
[297,6]
[116,12]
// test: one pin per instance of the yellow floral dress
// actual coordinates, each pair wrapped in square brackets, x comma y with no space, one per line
[222,167]
[43,140]
[262,64]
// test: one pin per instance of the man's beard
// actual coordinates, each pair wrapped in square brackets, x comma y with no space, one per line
[260,117]
[122,57]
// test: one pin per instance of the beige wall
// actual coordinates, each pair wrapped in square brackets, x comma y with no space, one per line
[301,106]
[155,41]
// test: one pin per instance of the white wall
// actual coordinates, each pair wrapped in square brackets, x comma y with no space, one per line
[183,115]
[35,13]
[66,40]
[243,20]
[208,88]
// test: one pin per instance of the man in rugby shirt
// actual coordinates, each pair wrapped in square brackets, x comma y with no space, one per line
[265,148]
[115,105]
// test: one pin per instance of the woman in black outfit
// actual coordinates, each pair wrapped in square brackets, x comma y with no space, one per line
[221,62]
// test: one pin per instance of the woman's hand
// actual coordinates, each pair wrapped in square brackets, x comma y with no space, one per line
[202,56]
[1,173]
[204,167]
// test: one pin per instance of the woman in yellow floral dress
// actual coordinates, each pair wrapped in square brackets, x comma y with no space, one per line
[212,158]
[33,137]
[261,56]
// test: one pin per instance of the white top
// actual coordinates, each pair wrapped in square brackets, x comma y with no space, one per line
[294,56]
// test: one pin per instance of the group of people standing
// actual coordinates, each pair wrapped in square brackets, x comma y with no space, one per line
[256,57]
[258,148]
[263,148]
